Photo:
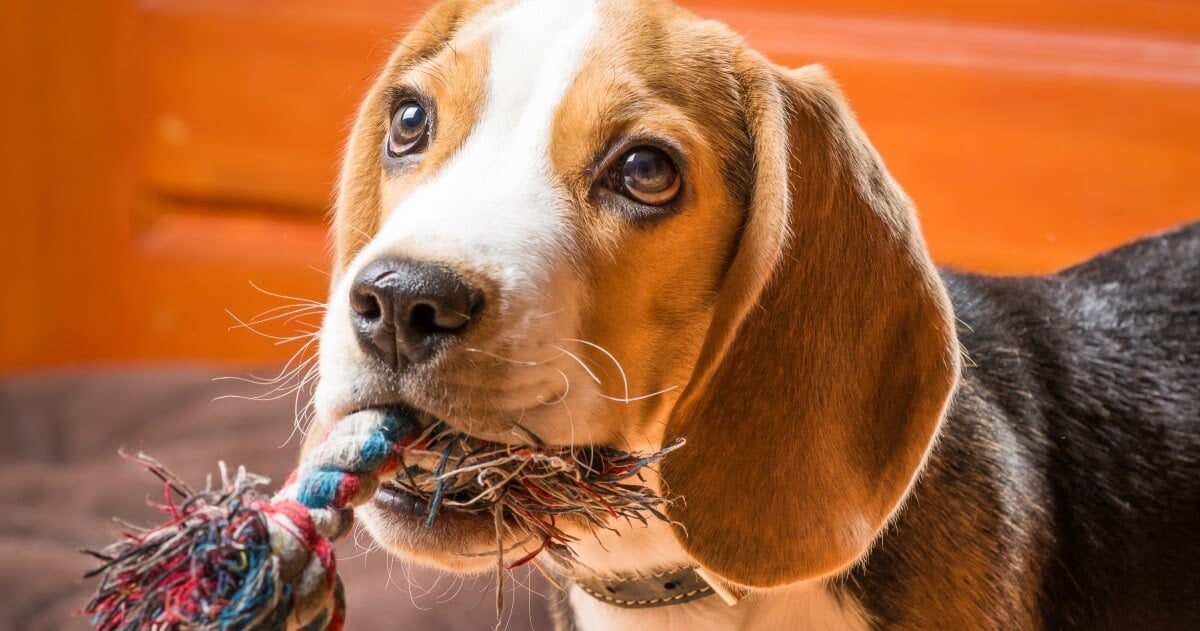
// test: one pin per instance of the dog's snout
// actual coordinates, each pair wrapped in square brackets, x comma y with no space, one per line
[404,310]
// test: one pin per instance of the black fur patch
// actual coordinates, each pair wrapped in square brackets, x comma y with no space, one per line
[1064,491]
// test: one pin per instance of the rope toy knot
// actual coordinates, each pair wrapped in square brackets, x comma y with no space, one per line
[234,559]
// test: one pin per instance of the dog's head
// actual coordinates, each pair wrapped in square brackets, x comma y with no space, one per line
[610,222]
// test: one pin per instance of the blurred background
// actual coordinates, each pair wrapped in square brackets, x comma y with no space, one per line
[168,168]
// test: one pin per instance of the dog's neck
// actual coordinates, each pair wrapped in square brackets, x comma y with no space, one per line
[638,550]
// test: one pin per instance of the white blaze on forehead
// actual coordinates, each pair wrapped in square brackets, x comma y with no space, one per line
[495,203]
[492,210]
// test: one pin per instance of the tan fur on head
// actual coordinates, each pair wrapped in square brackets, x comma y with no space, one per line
[830,358]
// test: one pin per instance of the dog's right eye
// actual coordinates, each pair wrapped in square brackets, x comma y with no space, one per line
[649,176]
[409,131]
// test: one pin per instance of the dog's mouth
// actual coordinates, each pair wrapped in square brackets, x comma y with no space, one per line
[418,517]
[451,485]
[421,525]
[431,479]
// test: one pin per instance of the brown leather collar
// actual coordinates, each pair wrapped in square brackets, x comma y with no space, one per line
[672,586]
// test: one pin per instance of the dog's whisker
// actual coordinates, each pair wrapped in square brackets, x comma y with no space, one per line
[448,592]
[530,436]
[638,398]
[285,373]
[410,585]
[252,379]
[516,362]
[571,424]
[308,328]
[491,553]
[287,318]
[305,414]
[304,370]
[565,392]
[277,392]
[279,339]
[288,308]
[296,299]
[579,361]
[299,372]
[270,396]
[279,383]
[620,368]
[312,373]
[284,383]
[621,399]
[447,582]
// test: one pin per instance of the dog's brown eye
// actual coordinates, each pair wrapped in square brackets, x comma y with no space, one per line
[649,176]
[410,129]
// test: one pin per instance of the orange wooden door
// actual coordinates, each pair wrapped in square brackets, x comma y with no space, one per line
[162,155]
[1030,134]
[173,165]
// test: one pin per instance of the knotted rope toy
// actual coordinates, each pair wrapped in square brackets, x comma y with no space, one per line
[234,558]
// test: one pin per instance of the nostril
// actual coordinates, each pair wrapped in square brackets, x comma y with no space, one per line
[423,319]
[366,304]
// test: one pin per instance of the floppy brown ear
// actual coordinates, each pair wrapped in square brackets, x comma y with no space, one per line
[830,359]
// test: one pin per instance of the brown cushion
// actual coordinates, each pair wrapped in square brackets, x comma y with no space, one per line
[61,483]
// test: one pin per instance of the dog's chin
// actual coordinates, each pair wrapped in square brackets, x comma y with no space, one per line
[455,540]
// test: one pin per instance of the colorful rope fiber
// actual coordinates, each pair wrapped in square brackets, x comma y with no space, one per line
[235,559]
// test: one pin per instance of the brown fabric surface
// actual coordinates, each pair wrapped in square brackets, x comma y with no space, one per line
[61,482]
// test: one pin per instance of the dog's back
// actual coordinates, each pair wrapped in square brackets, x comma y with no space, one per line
[1068,468]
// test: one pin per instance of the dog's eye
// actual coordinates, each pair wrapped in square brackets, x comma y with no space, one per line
[649,176]
[410,129]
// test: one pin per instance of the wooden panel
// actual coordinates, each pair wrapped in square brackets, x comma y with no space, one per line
[245,109]
[1025,150]
[1171,18]
[121,256]
[168,156]
[1006,183]
[62,133]
[19,232]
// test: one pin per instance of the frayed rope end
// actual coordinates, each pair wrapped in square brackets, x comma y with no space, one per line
[226,559]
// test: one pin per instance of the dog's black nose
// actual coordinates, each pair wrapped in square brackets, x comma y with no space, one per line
[406,310]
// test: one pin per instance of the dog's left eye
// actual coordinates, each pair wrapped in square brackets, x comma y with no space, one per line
[649,176]
[410,129]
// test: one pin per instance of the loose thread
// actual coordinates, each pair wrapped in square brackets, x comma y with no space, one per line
[498,520]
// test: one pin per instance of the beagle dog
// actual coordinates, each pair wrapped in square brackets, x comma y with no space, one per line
[609,222]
